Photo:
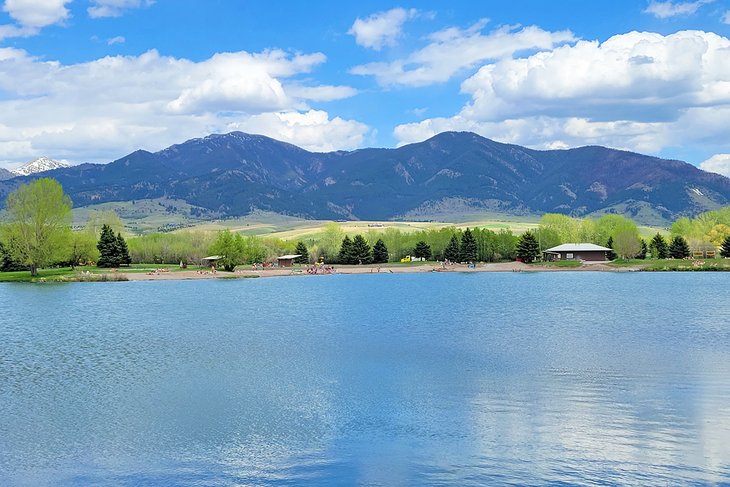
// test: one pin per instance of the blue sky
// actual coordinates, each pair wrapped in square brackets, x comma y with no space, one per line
[92,80]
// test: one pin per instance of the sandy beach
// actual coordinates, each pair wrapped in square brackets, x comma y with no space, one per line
[367,269]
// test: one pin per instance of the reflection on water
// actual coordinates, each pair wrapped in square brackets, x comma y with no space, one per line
[371,380]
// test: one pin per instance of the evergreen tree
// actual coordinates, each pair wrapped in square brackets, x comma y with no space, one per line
[468,247]
[345,255]
[658,247]
[451,252]
[644,250]
[123,251]
[380,252]
[7,263]
[725,249]
[108,248]
[361,253]
[678,249]
[303,253]
[611,254]
[528,249]
[422,250]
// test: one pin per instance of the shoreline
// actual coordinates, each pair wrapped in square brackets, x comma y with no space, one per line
[368,269]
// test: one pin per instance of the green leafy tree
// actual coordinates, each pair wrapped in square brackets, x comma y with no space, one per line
[528,248]
[380,252]
[345,255]
[643,250]
[231,248]
[109,250]
[123,251]
[611,255]
[39,224]
[627,243]
[468,249]
[82,248]
[422,250]
[725,249]
[658,246]
[7,264]
[361,253]
[679,248]
[451,252]
[303,253]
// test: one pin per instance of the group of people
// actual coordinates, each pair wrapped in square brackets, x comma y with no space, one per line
[320,269]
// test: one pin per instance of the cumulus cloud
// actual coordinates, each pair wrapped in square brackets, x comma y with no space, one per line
[37,13]
[667,9]
[638,91]
[381,29]
[719,163]
[114,8]
[312,130]
[103,109]
[452,50]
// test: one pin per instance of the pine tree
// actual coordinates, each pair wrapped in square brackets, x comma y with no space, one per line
[122,251]
[380,252]
[108,248]
[678,249]
[303,253]
[611,255]
[345,255]
[644,250]
[468,247]
[422,250]
[725,249]
[658,247]
[361,253]
[451,252]
[528,249]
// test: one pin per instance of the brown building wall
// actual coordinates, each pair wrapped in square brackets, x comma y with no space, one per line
[589,255]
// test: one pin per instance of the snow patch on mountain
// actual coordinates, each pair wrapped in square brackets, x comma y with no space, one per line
[42,164]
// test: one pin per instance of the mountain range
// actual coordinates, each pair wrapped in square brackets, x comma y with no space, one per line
[452,173]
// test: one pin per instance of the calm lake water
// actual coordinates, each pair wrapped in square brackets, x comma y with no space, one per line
[425,379]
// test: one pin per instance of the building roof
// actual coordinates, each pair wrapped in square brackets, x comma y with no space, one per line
[287,257]
[578,247]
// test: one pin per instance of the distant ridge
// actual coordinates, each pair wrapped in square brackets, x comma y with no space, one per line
[42,164]
[452,173]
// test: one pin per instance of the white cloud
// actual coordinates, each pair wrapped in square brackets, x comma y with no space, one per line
[380,29]
[667,9]
[103,109]
[37,13]
[719,163]
[638,91]
[726,17]
[114,8]
[312,130]
[116,40]
[453,50]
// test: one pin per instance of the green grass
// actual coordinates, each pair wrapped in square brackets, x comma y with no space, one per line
[688,265]
[62,274]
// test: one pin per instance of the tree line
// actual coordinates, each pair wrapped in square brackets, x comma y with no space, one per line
[38,234]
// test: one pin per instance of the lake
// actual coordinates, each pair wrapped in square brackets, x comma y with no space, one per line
[383,379]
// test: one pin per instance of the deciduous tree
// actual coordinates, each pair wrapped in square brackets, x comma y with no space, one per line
[231,248]
[39,228]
